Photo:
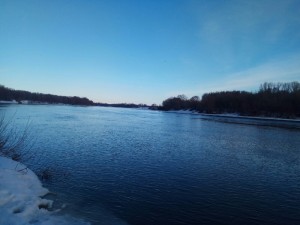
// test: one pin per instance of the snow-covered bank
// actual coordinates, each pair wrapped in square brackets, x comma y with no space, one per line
[9,102]
[20,198]
[233,115]
[247,120]
[193,112]
[227,115]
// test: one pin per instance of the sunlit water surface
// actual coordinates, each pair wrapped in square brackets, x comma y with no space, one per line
[141,167]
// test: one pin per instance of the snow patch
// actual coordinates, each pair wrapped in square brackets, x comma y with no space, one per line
[8,102]
[20,198]
[193,112]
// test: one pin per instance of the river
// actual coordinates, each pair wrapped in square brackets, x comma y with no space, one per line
[142,167]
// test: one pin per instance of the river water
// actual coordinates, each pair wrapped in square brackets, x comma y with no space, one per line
[141,167]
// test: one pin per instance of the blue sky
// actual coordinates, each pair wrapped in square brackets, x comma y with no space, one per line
[146,51]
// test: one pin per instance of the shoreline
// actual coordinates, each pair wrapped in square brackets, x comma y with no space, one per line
[259,118]
[191,112]
[243,120]
[233,116]
[21,198]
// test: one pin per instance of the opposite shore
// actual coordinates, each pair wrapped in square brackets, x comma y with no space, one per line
[272,100]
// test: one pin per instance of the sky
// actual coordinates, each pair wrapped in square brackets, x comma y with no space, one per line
[146,51]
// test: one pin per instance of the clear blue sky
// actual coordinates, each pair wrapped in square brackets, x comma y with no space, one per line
[144,51]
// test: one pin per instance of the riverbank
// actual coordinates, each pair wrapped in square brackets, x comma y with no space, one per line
[21,198]
[233,115]
[246,120]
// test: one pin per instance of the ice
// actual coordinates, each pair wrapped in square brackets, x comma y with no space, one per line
[21,201]
[9,102]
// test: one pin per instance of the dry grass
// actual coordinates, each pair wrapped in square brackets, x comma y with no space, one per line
[13,142]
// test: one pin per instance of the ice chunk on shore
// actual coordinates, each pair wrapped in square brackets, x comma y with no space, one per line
[20,198]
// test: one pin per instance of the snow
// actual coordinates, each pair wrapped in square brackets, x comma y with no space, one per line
[193,112]
[236,116]
[21,201]
[9,102]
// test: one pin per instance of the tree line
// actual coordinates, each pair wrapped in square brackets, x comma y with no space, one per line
[8,94]
[272,99]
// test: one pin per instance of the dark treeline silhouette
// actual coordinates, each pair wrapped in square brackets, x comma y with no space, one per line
[272,99]
[8,94]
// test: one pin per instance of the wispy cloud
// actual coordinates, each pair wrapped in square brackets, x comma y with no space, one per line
[236,17]
[280,70]
[238,32]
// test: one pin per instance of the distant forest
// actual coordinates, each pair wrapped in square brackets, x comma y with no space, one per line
[8,94]
[272,99]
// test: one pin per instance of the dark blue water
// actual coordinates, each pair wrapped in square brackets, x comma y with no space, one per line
[140,167]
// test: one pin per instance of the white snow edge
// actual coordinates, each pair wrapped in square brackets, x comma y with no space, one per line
[20,198]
